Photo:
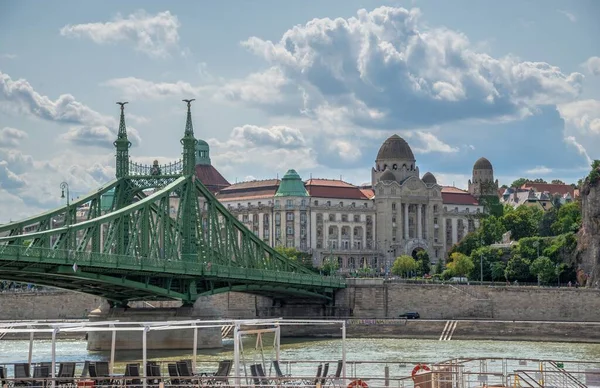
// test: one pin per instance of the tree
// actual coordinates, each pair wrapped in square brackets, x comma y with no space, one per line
[498,270]
[330,266]
[568,218]
[491,230]
[519,182]
[543,268]
[523,221]
[548,219]
[557,182]
[539,180]
[460,264]
[303,258]
[517,268]
[439,266]
[423,262]
[403,265]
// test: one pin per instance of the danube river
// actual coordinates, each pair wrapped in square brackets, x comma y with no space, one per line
[380,350]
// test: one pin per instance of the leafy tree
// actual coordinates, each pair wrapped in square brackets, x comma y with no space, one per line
[491,230]
[522,221]
[594,175]
[423,263]
[539,180]
[460,264]
[403,265]
[548,219]
[498,269]
[557,182]
[439,266]
[543,268]
[519,182]
[303,258]
[330,266]
[517,268]
[568,218]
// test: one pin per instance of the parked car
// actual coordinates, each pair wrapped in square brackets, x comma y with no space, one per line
[411,315]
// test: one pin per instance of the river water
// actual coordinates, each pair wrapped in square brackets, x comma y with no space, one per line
[380,350]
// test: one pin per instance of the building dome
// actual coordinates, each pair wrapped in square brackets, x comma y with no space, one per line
[387,176]
[397,148]
[201,142]
[291,185]
[429,179]
[482,164]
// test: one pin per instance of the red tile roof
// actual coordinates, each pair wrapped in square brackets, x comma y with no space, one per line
[249,190]
[455,196]
[368,192]
[211,178]
[551,188]
[333,188]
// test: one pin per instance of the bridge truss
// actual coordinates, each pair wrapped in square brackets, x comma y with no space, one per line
[154,233]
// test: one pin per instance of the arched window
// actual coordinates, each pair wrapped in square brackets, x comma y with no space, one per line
[395,166]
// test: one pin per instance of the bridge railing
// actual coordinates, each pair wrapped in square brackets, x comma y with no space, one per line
[138,263]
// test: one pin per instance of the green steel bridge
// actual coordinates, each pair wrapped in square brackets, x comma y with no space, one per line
[153,233]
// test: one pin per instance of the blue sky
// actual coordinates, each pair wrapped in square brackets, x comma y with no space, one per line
[316,86]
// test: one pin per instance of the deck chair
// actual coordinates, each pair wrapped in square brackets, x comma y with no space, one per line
[317,377]
[2,376]
[96,376]
[336,379]
[283,378]
[85,371]
[258,376]
[66,373]
[22,372]
[153,373]
[40,375]
[131,372]
[184,370]
[324,374]
[221,376]
[174,375]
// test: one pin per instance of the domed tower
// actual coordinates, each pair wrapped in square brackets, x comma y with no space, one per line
[397,158]
[429,179]
[202,152]
[482,183]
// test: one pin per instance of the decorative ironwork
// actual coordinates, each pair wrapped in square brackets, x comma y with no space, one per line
[179,242]
[172,169]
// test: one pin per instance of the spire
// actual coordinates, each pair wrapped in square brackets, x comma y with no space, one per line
[189,143]
[122,145]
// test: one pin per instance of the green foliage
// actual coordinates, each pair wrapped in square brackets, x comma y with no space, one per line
[539,180]
[423,263]
[403,265]
[568,218]
[492,229]
[519,182]
[330,266]
[517,268]
[557,182]
[594,175]
[460,264]
[523,221]
[439,266]
[488,257]
[548,219]
[543,268]
[498,270]
[302,258]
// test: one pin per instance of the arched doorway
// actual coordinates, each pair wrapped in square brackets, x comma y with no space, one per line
[415,251]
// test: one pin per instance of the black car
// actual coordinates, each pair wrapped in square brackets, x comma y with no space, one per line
[413,315]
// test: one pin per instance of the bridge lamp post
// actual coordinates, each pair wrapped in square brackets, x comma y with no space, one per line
[64,186]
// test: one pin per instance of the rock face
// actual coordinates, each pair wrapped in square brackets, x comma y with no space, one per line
[588,238]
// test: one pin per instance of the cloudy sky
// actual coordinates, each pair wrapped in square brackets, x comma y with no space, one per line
[313,85]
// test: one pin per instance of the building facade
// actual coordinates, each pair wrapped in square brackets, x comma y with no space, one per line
[400,212]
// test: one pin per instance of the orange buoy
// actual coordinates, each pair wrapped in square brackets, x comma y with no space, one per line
[358,384]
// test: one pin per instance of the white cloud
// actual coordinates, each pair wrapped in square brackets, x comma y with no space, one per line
[86,125]
[457,180]
[431,143]
[11,137]
[276,136]
[592,65]
[387,69]
[580,148]
[136,88]
[539,170]
[155,35]
[568,15]
[583,115]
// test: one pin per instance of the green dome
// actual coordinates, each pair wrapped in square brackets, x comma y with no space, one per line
[291,186]
[202,152]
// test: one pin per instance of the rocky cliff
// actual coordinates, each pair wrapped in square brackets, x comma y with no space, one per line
[588,238]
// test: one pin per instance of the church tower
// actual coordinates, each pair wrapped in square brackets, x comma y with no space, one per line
[482,183]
